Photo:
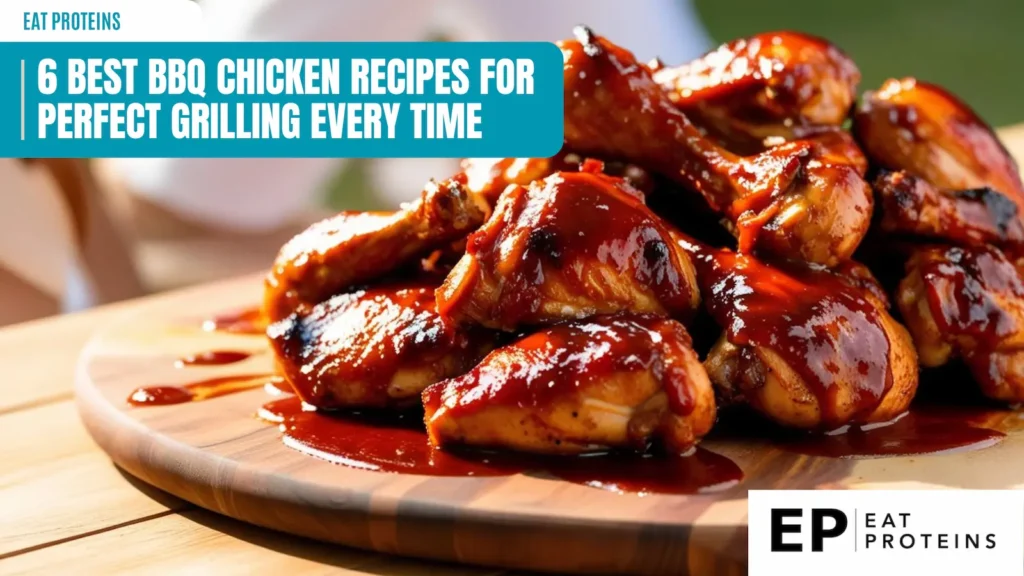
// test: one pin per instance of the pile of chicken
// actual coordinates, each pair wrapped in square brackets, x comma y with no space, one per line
[542,305]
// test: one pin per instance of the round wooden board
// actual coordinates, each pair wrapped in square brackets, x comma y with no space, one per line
[216,454]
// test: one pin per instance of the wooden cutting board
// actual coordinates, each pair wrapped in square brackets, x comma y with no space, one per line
[218,455]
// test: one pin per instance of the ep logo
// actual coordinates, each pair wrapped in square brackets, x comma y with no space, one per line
[787,528]
[845,532]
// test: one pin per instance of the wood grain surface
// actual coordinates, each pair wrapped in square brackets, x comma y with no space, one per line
[217,455]
[65,504]
[73,509]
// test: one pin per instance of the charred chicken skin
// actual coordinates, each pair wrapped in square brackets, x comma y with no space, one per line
[968,302]
[809,347]
[342,344]
[774,85]
[582,386]
[570,246]
[955,183]
[560,329]
[977,217]
[358,247]
[378,347]
[918,127]
[614,108]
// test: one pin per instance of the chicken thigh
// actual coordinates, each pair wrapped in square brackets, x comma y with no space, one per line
[573,245]
[583,386]
[378,347]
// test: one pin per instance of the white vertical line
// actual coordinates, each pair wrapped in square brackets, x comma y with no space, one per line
[23,100]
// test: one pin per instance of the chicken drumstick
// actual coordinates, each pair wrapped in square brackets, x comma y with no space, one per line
[956,184]
[356,247]
[807,347]
[615,109]
[773,85]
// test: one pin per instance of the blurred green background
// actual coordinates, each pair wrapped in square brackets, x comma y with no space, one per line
[973,48]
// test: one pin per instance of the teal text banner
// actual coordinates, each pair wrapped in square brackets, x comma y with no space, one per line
[280,99]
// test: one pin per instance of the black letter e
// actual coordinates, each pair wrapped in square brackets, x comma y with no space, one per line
[779,528]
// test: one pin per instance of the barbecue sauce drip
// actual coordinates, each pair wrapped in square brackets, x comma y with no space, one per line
[550,363]
[960,283]
[213,358]
[973,295]
[820,324]
[398,444]
[203,389]
[246,321]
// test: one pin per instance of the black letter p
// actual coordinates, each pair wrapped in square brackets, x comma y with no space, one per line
[818,532]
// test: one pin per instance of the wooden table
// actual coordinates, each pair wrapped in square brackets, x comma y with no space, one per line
[64,505]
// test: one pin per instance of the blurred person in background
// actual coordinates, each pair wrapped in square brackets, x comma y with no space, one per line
[60,249]
[255,197]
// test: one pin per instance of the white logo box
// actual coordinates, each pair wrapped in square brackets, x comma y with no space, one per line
[920,532]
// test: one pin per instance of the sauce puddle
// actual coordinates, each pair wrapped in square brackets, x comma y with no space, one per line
[213,358]
[245,321]
[399,444]
[918,432]
[161,395]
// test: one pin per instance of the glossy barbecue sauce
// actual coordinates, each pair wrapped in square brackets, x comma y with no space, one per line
[489,177]
[971,276]
[399,444]
[245,321]
[972,294]
[564,226]
[644,124]
[949,414]
[541,368]
[366,337]
[550,361]
[823,327]
[203,389]
[899,123]
[743,296]
[795,313]
[209,387]
[925,429]
[213,358]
